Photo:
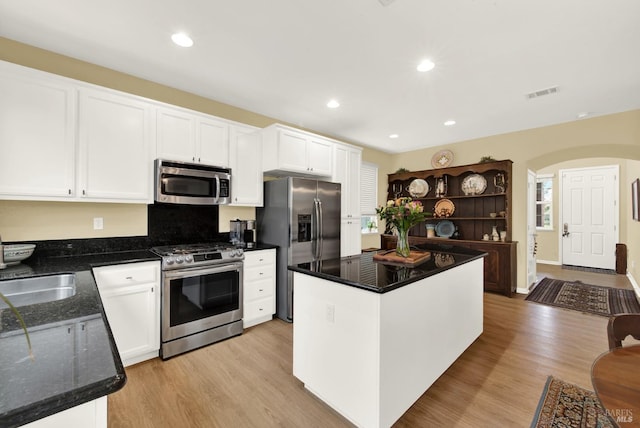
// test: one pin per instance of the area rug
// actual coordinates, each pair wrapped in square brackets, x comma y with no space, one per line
[577,296]
[566,405]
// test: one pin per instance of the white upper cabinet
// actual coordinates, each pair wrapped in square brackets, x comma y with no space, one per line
[37,134]
[114,140]
[347,162]
[291,151]
[189,137]
[63,140]
[245,159]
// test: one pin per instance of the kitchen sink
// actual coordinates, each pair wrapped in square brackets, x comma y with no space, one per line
[39,289]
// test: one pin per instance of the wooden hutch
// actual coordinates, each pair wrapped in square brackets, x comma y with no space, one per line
[471,214]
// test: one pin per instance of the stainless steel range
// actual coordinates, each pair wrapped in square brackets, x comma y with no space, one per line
[201,295]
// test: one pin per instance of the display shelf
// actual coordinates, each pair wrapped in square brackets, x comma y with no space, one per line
[471,214]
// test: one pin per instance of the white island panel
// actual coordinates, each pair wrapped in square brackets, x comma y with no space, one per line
[371,355]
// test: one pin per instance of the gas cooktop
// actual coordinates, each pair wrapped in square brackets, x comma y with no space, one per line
[188,255]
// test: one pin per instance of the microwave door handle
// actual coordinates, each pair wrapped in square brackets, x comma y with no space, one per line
[217,188]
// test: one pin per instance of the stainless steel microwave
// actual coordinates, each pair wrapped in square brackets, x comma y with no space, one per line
[190,183]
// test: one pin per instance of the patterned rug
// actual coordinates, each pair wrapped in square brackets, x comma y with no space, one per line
[564,405]
[577,296]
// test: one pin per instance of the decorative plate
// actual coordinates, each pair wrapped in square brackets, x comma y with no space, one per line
[418,188]
[474,184]
[444,208]
[442,159]
[445,228]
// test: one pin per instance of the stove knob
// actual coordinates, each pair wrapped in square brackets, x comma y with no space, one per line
[169,260]
[188,258]
[179,259]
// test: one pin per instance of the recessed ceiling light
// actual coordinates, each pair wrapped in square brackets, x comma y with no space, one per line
[450,123]
[393,136]
[426,65]
[333,104]
[182,39]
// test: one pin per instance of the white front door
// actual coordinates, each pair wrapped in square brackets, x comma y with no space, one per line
[589,218]
[531,228]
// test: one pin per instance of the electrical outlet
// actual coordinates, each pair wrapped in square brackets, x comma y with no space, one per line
[331,313]
[98,223]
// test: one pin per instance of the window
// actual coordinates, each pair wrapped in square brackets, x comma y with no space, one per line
[544,202]
[368,197]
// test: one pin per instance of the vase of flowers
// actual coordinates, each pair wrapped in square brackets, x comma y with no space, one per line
[402,214]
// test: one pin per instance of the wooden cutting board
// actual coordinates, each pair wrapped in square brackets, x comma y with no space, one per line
[390,256]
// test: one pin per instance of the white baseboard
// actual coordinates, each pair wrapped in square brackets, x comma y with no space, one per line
[549,262]
[634,283]
[522,290]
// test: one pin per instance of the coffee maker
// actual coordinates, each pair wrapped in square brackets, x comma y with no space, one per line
[242,233]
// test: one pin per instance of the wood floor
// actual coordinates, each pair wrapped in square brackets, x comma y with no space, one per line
[247,382]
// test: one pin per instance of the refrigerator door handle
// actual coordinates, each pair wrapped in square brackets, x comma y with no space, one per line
[320,231]
[314,229]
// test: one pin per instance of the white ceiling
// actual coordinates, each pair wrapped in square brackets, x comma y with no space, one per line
[287,58]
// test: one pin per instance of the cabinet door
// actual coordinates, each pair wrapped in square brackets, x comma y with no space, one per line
[353,184]
[115,157]
[346,171]
[350,237]
[212,142]
[37,135]
[319,157]
[340,175]
[175,135]
[131,312]
[131,298]
[246,167]
[292,151]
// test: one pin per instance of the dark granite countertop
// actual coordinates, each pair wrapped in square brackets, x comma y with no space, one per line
[363,272]
[75,357]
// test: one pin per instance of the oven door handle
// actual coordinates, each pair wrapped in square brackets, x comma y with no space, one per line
[188,272]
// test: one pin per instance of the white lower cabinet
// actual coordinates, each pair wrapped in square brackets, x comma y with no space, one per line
[92,414]
[259,287]
[131,298]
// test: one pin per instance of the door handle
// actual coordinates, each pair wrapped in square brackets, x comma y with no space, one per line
[565,230]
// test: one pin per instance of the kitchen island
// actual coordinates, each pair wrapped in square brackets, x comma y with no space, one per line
[369,338]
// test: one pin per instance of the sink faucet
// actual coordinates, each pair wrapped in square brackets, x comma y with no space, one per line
[2,263]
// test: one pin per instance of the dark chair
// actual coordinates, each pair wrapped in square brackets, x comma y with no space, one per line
[621,326]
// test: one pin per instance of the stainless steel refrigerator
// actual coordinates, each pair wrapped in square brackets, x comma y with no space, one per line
[302,217]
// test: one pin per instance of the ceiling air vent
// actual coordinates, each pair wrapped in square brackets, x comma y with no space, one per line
[542,92]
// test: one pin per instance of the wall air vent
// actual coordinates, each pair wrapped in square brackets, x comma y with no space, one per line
[542,92]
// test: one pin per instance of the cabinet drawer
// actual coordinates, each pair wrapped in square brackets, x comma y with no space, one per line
[127,274]
[258,289]
[259,308]
[258,273]
[259,258]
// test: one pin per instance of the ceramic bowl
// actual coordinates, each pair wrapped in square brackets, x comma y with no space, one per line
[15,253]
[492,215]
